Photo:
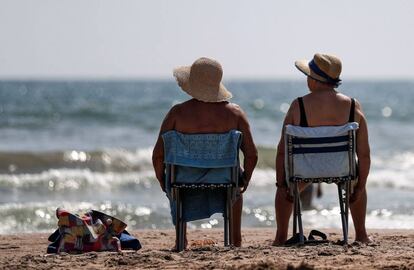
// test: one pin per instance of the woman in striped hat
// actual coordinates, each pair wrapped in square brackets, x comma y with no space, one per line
[324,106]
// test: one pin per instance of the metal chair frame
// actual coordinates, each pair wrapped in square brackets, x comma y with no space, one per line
[343,183]
[178,190]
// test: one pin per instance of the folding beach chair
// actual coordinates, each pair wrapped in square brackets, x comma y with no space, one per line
[202,172]
[320,154]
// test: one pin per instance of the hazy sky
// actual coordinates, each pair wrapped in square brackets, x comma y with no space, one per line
[252,39]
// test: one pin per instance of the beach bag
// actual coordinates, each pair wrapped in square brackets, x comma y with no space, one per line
[93,231]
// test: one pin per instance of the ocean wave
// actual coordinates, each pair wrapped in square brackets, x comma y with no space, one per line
[117,168]
[61,181]
[117,160]
[393,170]
[65,180]
[77,180]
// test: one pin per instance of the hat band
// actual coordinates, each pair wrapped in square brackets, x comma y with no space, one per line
[318,71]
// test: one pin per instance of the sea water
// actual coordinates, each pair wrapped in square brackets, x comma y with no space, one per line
[87,145]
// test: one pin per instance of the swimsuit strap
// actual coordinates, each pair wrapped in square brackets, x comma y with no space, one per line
[352,111]
[303,120]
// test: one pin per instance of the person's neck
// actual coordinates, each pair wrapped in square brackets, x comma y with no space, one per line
[323,90]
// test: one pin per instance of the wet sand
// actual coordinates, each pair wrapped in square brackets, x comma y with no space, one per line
[391,249]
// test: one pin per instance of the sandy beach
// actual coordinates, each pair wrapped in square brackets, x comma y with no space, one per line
[391,249]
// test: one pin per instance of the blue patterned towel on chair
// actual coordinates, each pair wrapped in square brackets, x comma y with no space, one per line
[201,158]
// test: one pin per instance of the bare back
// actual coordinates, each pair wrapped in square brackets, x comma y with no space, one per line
[324,108]
[201,117]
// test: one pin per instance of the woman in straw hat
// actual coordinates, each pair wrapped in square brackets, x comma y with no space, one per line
[209,111]
[324,106]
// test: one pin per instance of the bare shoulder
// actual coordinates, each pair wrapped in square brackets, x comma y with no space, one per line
[235,109]
[174,112]
[344,100]
[347,99]
[294,105]
[175,109]
[238,114]
[358,107]
[343,96]
[293,114]
[358,111]
[182,107]
[294,108]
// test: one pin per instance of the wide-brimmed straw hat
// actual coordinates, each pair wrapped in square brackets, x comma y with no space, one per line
[202,80]
[323,67]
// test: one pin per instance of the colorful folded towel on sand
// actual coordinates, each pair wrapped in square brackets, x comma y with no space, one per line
[93,231]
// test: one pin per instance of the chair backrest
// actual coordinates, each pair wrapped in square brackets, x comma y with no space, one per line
[320,154]
[202,158]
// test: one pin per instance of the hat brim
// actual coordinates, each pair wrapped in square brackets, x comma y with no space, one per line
[182,75]
[303,66]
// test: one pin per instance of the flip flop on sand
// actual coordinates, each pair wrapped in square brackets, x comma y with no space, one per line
[311,240]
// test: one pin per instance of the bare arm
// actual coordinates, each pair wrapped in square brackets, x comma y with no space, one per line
[247,146]
[158,152]
[363,150]
[280,156]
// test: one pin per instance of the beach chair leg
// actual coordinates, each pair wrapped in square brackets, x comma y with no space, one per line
[230,217]
[182,240]
[183,224]
[299,214]
[347,194]
[226,229]
[342,209]
[295,220]
[346,197]
[179,232]
[226,218]
[177,218]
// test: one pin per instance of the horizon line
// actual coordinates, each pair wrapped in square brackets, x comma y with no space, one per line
[161,78]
